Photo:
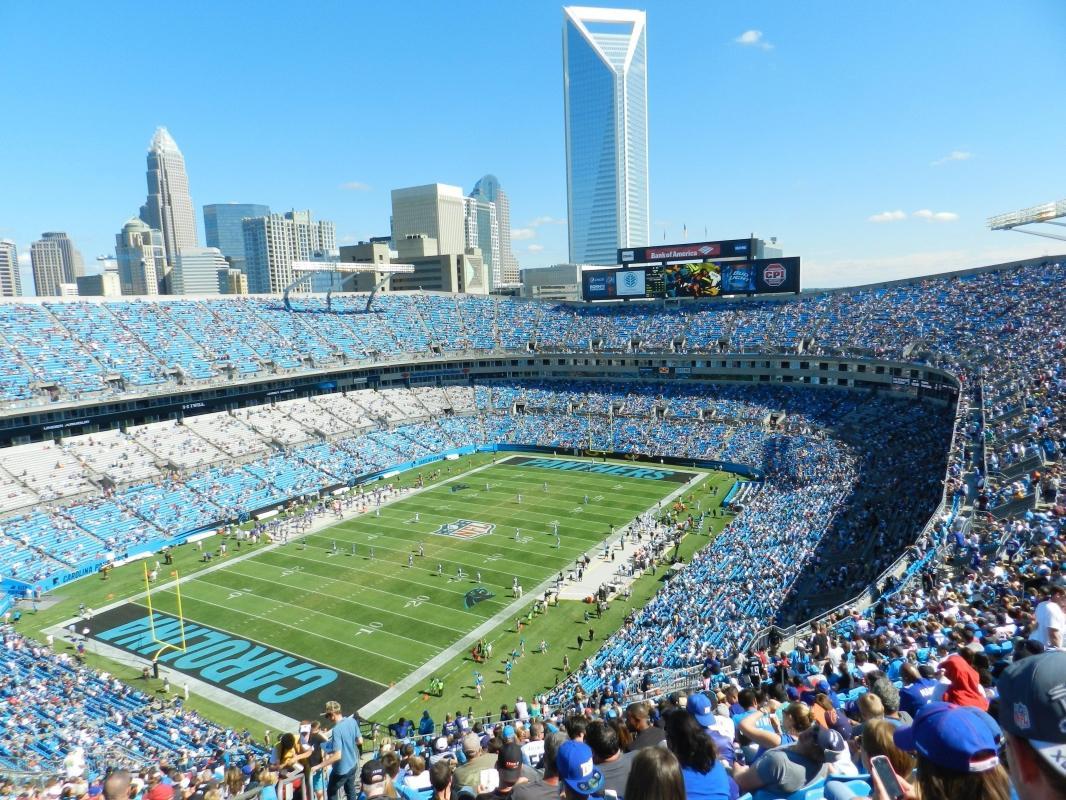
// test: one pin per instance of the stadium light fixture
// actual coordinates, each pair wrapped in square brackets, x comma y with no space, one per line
[1046,214]
[304,268]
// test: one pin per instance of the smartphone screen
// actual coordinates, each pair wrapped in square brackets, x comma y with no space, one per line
[883,767]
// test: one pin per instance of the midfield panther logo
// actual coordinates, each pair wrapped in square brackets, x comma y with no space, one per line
[465,529]
[475,596]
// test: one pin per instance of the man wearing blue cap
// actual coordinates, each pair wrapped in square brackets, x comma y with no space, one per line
[578,773]
[1032,711]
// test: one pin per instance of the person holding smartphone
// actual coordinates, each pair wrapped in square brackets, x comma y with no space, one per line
[957,751]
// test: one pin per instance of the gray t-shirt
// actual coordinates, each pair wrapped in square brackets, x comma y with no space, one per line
[616,773]
[537,790]
[785,771]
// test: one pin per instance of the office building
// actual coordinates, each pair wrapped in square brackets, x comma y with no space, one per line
[232,281]
[68,290]
[55,261]
[483,232]
[141,258]
[436,271]
[106,284]
[222,228]
[10,277]
[169,207]
[557,282]
[196,270]
[273,242]
[435,211]
[489,190]
[605,106]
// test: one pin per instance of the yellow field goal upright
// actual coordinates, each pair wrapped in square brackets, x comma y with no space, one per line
[164,645]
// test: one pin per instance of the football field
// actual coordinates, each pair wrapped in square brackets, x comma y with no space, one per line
[372,609]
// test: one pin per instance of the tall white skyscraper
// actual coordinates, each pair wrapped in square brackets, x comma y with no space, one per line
[141,258]
[55,261]
[435,210]
[10,279]
[169,208]
[605,106]
[273,242]
[489,189]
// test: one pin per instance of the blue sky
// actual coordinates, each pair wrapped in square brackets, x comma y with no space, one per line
[804,121]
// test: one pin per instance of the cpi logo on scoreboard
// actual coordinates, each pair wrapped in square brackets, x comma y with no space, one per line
[774,274]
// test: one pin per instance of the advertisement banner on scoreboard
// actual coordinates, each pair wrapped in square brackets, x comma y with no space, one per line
[612,284]
[696,251]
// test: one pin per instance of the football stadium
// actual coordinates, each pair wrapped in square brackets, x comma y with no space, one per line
[428,509]
[383,486]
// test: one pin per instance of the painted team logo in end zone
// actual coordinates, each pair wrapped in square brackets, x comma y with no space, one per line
[465,529]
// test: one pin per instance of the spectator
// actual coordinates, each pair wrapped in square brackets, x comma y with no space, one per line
[704,775]
[577,771]
[342,752]
[545,787]
[1032,713]
[788,769]
[374,779]
[965,688]
[638,718]
[958,754]
[656,775]
[607,755]
[440,778]
[1051,619]
[509,770]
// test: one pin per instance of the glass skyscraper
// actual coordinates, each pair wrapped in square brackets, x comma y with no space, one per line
[605,98]
[222,228]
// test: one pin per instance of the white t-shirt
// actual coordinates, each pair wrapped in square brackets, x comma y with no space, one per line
[1049,615]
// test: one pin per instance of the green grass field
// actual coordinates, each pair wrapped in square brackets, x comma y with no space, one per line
[377,620]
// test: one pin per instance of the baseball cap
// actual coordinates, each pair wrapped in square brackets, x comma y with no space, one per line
[575,766]
[471,743]
[700,707]
[373,777]
[508,732]
[960,738]
[509,763]
[441,744]
[332,707]
[160,791]
[1032,704]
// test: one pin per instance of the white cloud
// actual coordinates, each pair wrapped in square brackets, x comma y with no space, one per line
[24,258]
[936,216]
[887,216]
[535,248]
[538,221]
[954,155]
[519,234]
[753,38]
[355,186]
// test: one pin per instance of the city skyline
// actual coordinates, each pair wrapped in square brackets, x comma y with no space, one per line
[868,142]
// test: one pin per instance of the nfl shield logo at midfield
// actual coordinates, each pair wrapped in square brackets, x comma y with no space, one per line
[465,529]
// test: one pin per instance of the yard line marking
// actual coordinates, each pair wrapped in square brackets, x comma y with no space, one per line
[303,591]
[274,621]
[416,677]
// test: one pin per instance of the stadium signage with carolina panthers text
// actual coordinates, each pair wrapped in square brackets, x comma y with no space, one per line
[598,468]
[275,679]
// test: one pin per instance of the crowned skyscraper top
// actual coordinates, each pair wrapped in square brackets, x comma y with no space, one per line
[169,207]
[605,99]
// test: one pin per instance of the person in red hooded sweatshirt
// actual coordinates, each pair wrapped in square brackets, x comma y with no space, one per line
[965,688]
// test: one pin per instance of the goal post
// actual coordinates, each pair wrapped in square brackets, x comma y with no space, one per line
[163,644]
